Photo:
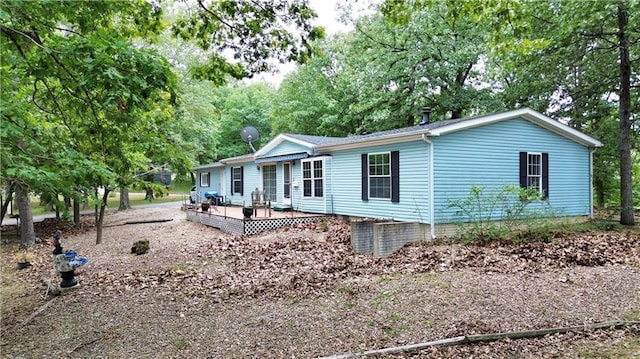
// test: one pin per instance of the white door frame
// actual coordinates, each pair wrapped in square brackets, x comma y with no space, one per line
[286,183]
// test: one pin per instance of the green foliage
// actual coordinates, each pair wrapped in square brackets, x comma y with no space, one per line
[576,59]
[484,217]
[91,106]
[241,106]
[254,33]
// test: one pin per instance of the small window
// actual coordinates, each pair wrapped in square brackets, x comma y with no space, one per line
[534,172]
[269,182]
[236,180]
[312,178]
[380,175]
[204,179]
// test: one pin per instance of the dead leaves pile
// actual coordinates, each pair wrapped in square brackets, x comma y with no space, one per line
[309,260]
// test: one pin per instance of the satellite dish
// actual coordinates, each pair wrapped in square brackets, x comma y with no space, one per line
[250,135]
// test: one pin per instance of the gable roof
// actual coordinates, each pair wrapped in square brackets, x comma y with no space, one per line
[223,162]
[302,140]
[412,133]
[449,126]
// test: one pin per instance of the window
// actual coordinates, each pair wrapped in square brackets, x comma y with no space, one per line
[269,182]
[534,172]
[204,179]
[237,180]
[381,176]
[312,178]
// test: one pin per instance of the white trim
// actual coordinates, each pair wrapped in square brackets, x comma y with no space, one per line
[278,140]
[388,153]
[375,141]
[540,176]
[233,180]
[527,114]
[311,160]
[432,201]
[287,201]
[591,183]
[208,179]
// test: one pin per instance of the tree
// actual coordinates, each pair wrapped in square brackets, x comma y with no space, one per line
[562,52]
[244,105]
[90,84]
[254,32]
[76,72]
[307,102]
[405,56]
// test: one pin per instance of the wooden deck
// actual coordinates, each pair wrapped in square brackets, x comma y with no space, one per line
[262,212]
[231,219]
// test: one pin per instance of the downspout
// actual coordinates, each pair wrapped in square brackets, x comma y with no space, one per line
[432,205]
[591,150]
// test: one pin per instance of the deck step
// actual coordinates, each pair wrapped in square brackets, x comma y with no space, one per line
[281,208]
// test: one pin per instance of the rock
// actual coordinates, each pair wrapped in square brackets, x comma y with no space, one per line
[140,247]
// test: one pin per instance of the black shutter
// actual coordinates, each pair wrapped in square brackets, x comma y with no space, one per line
[242,180]
[209,178]
[395,176]
[523,170]
[232,180]
[545,175]
[365,177]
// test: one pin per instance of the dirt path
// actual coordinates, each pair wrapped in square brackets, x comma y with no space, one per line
[302,293]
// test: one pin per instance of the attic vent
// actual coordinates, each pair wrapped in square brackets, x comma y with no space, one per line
[426,111]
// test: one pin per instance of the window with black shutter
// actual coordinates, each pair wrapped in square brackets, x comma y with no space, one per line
[381,176]
[534,172]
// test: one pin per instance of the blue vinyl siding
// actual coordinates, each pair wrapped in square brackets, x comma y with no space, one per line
[285,148]
[214,182]
[252,179]
[488,157]
[312,204]
[414,184]
[485,156]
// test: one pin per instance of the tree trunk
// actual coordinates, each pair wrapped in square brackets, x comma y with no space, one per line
[626,185]
[149,194]
[100,216]
[76,212]
[27,232]
[67,206]
[124,199]
[7,201]
[599,187]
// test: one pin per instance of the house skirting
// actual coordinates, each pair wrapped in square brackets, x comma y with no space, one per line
[382,238]
[247,227]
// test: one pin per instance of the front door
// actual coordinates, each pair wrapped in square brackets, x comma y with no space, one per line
[286,168]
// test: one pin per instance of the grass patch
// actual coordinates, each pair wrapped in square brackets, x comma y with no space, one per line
[177,193]
[180,343]
[632,316]
[629,347]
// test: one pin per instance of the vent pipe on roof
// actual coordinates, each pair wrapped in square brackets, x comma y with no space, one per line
[426,111]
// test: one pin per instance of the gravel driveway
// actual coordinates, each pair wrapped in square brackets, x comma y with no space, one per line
[301,292]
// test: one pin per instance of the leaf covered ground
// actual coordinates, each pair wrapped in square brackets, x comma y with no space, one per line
[301,292]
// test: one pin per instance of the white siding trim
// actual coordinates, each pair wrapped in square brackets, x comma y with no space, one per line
[432,202]
[278,140]
[527,114]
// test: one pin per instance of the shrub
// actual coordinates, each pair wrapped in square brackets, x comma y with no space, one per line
[503,215]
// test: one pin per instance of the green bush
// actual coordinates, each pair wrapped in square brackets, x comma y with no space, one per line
[503,215]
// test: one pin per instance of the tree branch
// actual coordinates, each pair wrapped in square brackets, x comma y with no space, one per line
[203,7]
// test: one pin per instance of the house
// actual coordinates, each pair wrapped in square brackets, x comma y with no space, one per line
[413,174]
